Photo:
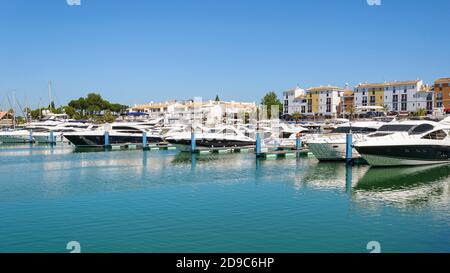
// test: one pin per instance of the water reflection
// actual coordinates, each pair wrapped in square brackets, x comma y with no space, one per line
[348,177]
[404,186]
[64,170]
[330,175]
[25,150]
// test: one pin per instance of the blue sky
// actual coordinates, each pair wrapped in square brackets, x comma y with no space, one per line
[137,51]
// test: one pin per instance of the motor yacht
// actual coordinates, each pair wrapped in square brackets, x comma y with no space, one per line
[120,133]
[409,142]
[38,131]
[332,146]
[284,135]
[224,136]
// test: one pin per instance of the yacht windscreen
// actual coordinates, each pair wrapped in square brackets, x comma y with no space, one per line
[422,128]
[346,129]
[396,128]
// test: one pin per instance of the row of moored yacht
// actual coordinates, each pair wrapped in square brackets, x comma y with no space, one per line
[406,142]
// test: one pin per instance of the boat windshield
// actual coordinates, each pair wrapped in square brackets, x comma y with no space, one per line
[422,128]
[396,128]
[346,129]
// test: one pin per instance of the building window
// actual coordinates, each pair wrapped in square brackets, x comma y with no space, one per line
[403,106]
[328,104]
[372,100]
[364,101]
[404,98]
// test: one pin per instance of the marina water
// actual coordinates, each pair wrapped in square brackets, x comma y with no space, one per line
[166,201]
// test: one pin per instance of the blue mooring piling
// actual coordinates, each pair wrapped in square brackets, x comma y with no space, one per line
[106,139]
[348,148]
[52,138]
[193,142]
[298,143]
[144,140]
[30,138]
[258,144]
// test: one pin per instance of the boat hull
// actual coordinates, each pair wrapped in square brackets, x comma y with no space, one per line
[331,151]
[185,145]
[45,138]
[405,155]
[99,140]
[15,139]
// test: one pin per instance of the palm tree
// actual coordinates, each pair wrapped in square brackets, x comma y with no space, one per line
[420,112]
[351,110]
[385,109]
[296,116]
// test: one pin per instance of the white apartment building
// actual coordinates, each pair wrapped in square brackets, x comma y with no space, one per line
[290,105]
[397,96]
[212,111]
[299,104]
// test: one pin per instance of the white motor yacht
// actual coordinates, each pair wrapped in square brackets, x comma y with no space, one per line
[225,136]
[409,142]
[118,134]
[332,146]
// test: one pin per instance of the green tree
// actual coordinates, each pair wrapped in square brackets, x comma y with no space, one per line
[217,98]
[35,114]
[80,105]
[20,120]
[59,110]
[420,112]
[70,111]
[117,108]
[52,106]
[296,116]
[93,105]
[269,100]
[351,111]
[107,117]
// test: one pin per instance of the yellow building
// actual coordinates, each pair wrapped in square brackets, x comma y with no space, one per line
[324,100]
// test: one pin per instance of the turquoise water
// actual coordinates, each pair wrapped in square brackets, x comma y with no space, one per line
[164,201]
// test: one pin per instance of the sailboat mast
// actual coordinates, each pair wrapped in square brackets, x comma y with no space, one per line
[50,96]
[14,110]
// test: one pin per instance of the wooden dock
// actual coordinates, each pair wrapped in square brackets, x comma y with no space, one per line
[282,153]
[222,150]
[139,146]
